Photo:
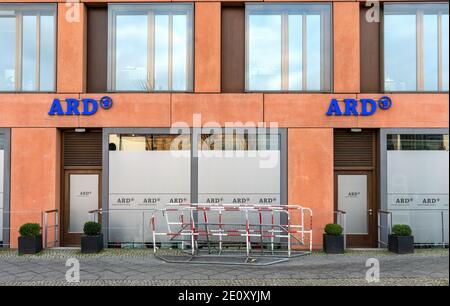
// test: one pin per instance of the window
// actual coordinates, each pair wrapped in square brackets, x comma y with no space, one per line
[27,47]
[417,142]
[416,47]
[150,47]
[288,47]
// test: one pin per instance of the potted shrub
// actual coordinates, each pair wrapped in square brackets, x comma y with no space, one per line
[401,241]
[333,240]
[92,240]
[30,240]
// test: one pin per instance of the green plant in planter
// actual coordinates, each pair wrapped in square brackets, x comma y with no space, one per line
[30,230]
[333,229]
[30,240]
[92,228]
[401,230]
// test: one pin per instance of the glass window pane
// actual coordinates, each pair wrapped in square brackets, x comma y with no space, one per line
[7,53]
[313,52]
[430,52]
[295,52]
[399,51]
[29,49]
[264,52]
[47,54]
[180,52]
[161,52]
[131,53]
[445,54]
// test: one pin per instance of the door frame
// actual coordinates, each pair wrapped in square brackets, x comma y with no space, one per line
[74,239]
[361,240]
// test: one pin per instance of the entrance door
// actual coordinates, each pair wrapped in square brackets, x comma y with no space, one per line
[354,195]
[82,194]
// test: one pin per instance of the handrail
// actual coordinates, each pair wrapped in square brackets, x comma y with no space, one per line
[95,213]
[388,227]
[55,227]
[342,222]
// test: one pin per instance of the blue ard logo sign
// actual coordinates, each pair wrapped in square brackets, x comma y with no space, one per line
[75,107]
[363,107]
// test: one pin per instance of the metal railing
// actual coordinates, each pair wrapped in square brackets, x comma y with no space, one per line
[46,227]
[95,214]
[387,227]
[341,219]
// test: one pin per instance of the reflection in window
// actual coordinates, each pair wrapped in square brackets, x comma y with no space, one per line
[153,142]
[416,47]
[239,142]
[150,47]
[27,57]
[418,142]
[288,47]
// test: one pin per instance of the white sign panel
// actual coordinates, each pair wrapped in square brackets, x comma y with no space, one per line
[418,180]
[418,192]
[83,198]
[352,198]
[139,182]
[240,177]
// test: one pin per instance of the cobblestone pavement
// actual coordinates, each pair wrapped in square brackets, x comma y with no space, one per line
[140,267]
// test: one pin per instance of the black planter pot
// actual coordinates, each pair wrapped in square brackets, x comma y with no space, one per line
[91,244]
[401,244]
[333,244]
[30,245]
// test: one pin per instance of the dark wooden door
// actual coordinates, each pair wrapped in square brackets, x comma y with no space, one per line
[354,194]
[82,193]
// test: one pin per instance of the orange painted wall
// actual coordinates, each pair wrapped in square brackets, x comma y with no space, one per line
[207,46]
[310,170]
[346,47]
[34,175]
[71,55]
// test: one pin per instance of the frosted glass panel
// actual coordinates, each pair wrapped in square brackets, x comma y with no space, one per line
[83,198]
[352,198]
[418,192]
[139,182]
[418,179]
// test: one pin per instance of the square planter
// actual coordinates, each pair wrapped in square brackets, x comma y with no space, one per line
[401,244]
[333,244]
[91,244]
[30,245]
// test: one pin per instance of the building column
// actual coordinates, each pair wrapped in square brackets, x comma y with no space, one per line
[35,176]
[310,175]
[207,46]
[346,47]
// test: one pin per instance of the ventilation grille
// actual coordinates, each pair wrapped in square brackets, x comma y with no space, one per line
[354,149]
[82,149]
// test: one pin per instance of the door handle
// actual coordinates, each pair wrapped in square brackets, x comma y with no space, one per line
[370,211]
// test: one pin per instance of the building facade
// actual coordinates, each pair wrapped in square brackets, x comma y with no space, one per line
[124,106]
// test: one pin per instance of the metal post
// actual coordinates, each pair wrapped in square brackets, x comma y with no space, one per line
[443,230]
[56,229]
[344,225]
[45,229]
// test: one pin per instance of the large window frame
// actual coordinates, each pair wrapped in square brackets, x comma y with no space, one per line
[151,10]
[326,39]
[408,8]
[18,11]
